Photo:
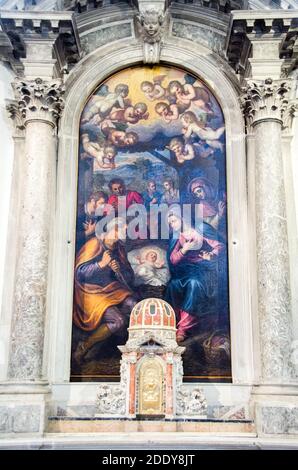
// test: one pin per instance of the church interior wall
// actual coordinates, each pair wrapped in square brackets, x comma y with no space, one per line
[109,44]
[293,231]
[58,339]
[7,218]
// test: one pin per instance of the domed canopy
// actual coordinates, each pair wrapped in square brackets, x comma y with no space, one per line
[152,314]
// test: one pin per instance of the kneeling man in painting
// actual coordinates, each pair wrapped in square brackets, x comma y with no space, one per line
[103,299]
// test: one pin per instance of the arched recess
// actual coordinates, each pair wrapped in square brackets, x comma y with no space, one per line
[87,75]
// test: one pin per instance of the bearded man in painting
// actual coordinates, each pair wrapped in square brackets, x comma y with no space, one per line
[103,299]
[118,188]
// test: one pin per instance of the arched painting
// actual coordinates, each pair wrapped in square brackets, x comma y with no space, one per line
[151,220]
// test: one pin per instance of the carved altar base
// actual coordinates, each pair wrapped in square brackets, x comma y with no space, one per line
[151,370]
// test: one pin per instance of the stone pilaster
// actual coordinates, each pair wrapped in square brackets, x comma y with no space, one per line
[132,360]
[266,106]
[169,386]
[39,103]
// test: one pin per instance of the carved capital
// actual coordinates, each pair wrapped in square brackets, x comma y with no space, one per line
[150,24]
[265,100]
[15,114]
[131,359]
[289,114]
[39,99]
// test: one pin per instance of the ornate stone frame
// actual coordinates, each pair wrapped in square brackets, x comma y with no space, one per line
[92,70]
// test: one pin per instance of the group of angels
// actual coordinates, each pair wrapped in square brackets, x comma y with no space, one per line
[111,112]
[179,101]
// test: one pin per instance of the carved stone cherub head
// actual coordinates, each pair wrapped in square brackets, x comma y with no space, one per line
[151,24]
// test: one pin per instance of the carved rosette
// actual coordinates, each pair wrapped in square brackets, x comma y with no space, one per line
[150,24]
[268,100]
[39,99]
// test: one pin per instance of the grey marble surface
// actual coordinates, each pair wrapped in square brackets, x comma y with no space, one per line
[105,35]
[199,35]
[19,419]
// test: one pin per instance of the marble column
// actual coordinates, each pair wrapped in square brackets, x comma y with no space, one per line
[132,388]
[40,103]
[266,104]
[18,135]
[169,387]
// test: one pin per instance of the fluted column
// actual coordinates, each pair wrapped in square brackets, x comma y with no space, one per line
[40,103]
[266,109]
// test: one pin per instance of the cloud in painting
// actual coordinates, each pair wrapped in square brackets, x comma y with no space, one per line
[147,132]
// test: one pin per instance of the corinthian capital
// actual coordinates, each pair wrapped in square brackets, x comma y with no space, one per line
[39,99]
[15,114]
[265,100]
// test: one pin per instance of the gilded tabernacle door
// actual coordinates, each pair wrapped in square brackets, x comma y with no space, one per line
[151,220]
[151,388]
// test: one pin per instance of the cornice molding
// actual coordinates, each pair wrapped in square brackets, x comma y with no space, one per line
[20,28]
[251,26]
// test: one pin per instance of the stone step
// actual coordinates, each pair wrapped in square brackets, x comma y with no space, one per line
[59,424]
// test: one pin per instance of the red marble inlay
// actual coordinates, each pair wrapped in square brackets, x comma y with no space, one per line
[152,312]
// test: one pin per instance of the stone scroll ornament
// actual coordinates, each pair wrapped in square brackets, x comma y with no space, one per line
[150,24]
[40,99]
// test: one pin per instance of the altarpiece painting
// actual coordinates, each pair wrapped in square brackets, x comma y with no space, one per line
[151,220]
